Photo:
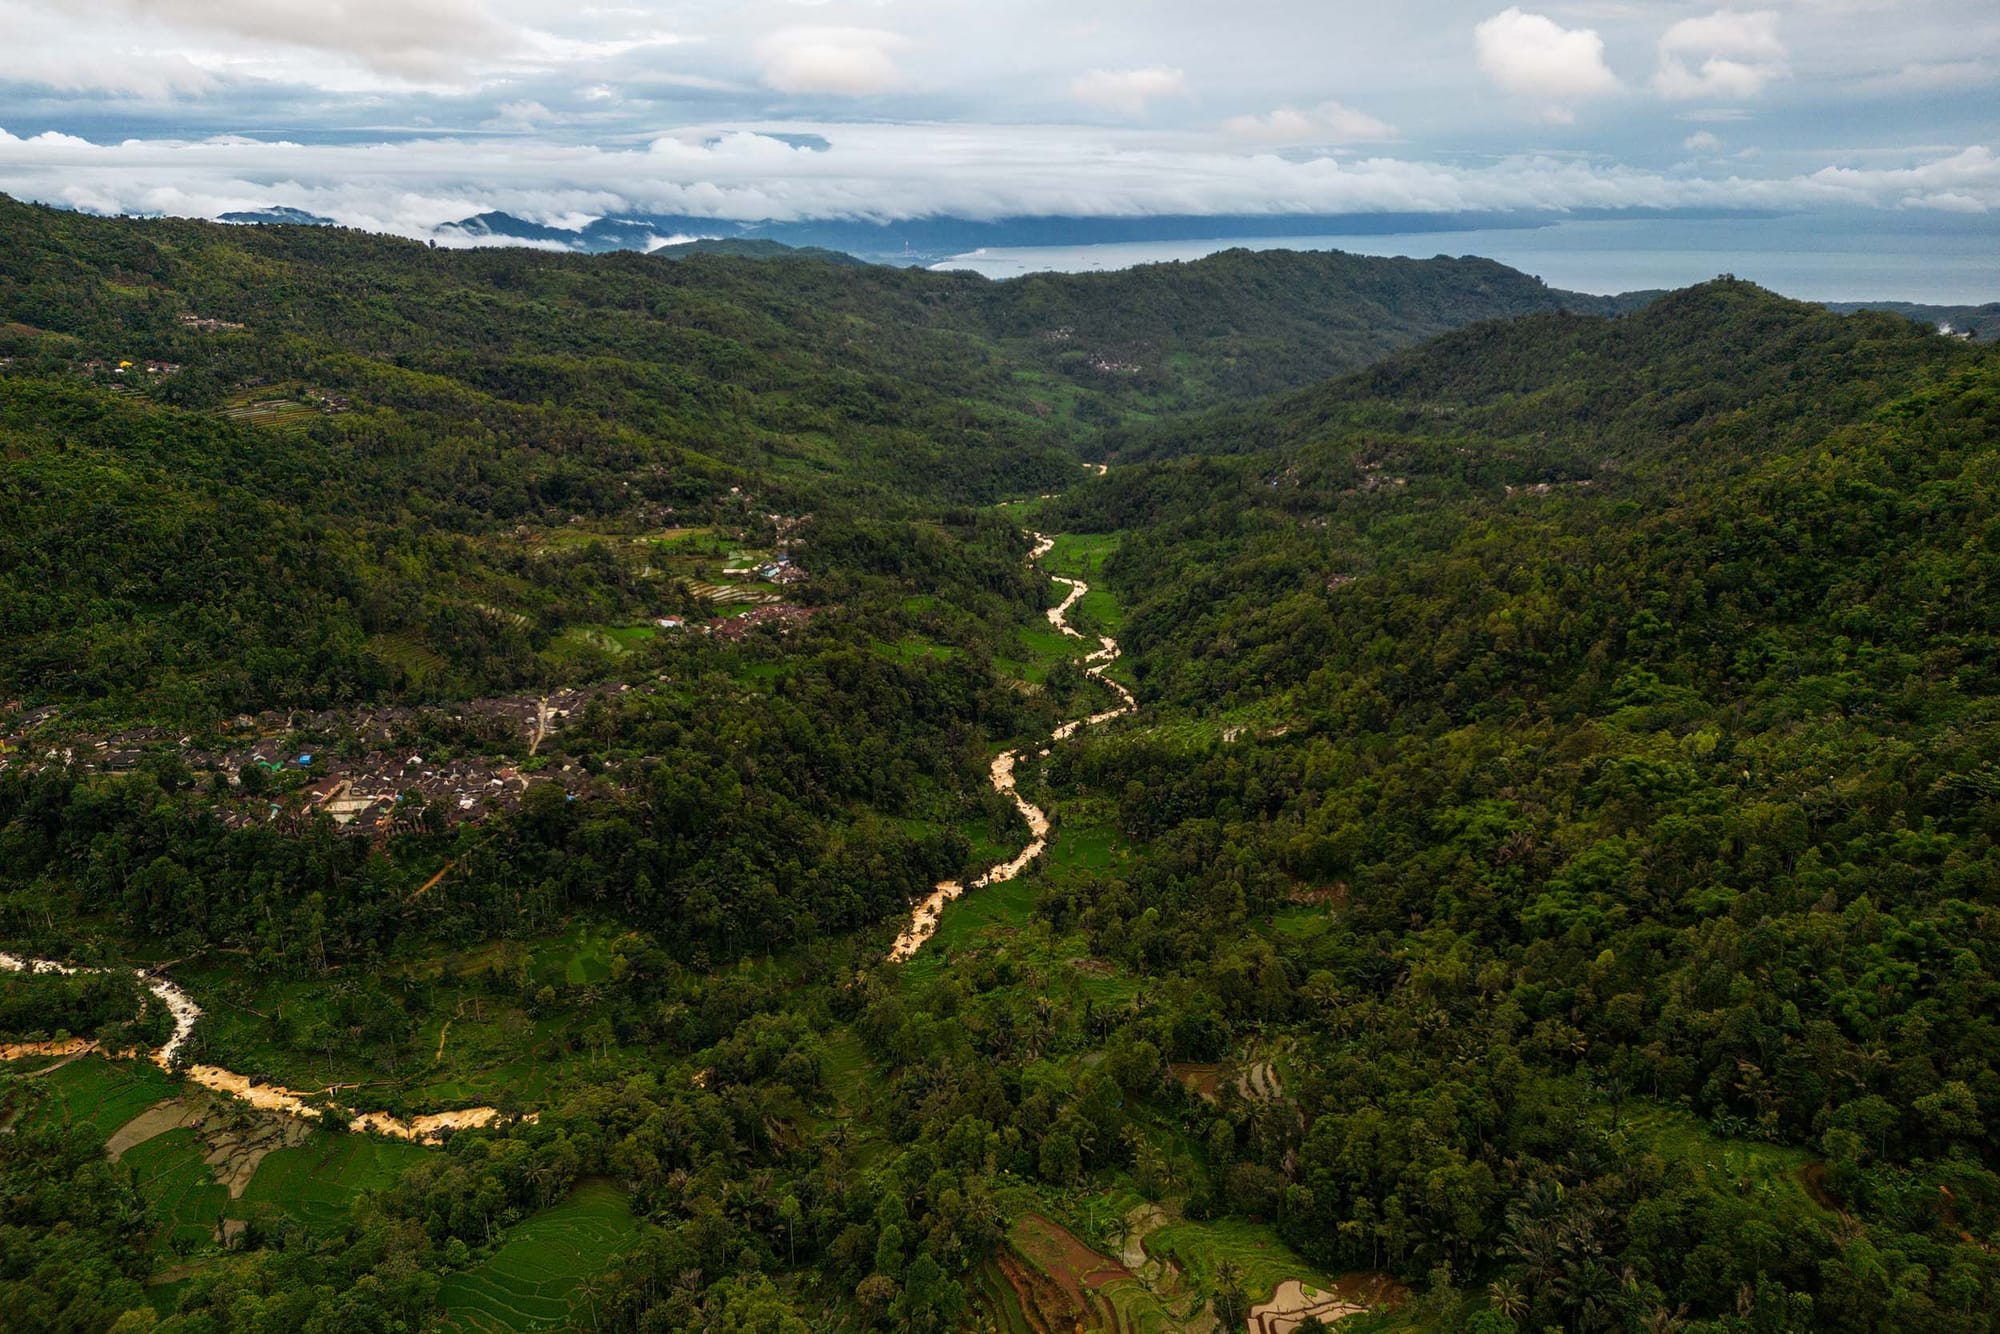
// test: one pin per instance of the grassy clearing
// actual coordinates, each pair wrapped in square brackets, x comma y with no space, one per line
[101,1094]
[1080,555]
[1042,646]
[1771,1172]
[238,1030]
[585,641]
[1001,908]
[268,407]
[846,1069]
[579,957]
[630,637]
[531,1281]
[494,1052]
[1302,923]
[1087,847]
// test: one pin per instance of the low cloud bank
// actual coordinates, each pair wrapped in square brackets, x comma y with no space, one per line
[889,172]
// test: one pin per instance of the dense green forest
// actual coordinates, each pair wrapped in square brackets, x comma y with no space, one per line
[298,489]
[1548,881]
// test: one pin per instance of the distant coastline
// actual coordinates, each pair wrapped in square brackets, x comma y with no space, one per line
[1934,260]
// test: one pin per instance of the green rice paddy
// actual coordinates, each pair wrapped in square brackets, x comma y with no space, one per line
[533,1280]
[188,1200]
[317,1182]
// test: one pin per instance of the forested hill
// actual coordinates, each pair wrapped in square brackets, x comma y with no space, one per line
[1072,350]
[1630,687]
[1980,323]
[256,467]
[1591,382]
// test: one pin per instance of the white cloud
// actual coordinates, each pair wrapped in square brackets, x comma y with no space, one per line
[1948,201]
[42,49]
[850,62]
[1701,141]
[162,49]
[1532,56]
[1128,91]
[413,39]
[1966,182]
[1327,123]
[1933,76]
[524,115]
[1729,54]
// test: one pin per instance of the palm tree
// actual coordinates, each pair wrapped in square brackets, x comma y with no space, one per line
[1507,1297]
[591,1293]
[1589,1291]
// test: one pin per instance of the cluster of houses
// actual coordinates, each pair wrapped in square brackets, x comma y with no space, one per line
[778,618]
[780,570]
[391,787]
[126,369]
[777,570]
[388,792]
[208,325]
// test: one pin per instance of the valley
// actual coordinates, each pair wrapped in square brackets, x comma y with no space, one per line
[747,792]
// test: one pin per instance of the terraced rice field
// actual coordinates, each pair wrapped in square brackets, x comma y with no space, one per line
[270,412]
[170,1172]
[531,1282]
[317,1182]
[723,594]
[1058,1282]
[994,1295]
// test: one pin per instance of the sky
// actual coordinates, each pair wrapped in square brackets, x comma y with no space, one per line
[402,115]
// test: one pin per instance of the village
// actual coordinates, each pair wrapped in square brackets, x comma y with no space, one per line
[365,769]
[374,770]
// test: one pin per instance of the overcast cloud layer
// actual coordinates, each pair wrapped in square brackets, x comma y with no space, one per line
[402,115]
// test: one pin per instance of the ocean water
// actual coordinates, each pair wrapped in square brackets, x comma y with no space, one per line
[1933,259]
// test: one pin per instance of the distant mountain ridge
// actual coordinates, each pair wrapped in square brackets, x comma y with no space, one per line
[1157,338]
[923,240]
[926,240]
[1980,323]
[277,215]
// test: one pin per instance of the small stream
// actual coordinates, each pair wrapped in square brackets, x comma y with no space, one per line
[266,1097]
[925,916]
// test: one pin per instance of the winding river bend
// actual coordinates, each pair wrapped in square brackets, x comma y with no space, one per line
[266,1097]
[430,1129]
[925,916]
